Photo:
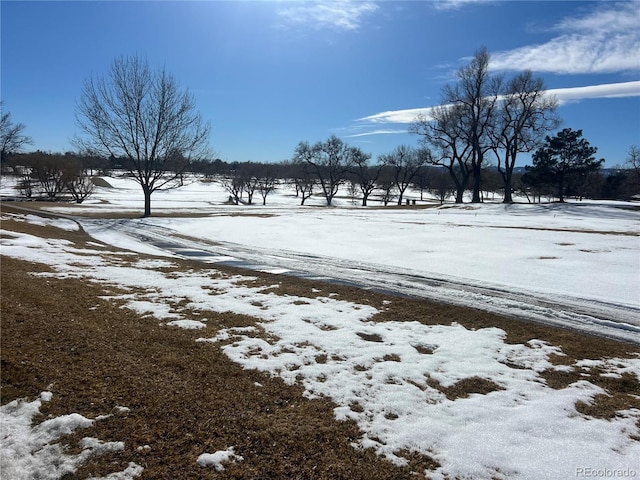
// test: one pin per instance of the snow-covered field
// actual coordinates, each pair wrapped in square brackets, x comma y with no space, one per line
[381,374]
[576,264]
[586,250]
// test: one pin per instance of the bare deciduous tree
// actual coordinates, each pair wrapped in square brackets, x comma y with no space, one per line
[80,187]
[476,94]
[249,177]
[480,113]
[633,163]
[366,175]
[442,185]
[233,184]
[524,116]
[48,171]
[330,161]
[405,161]
[444,130]
[387,185]
[54,175]
[75,179]
[12,138]
[142,116]
[304,181]
[422,180]
[267,181]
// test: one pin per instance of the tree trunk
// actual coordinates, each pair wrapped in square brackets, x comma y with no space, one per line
[147,201]
[476,184]
[328,196]
[508,198]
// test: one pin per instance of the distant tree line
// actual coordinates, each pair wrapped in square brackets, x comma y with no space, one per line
[139,121]
[553,176]
[46,176]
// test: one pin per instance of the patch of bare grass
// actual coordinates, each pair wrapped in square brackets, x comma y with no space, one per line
[418,463]
[370,337]
[425,349]
[391,357]
[605,405]
[465,387]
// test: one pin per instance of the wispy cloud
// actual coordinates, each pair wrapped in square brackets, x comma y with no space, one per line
[608,90]
[564,96]
[606,40]
[456,4]
[376,132]
[336,14]
[396,116]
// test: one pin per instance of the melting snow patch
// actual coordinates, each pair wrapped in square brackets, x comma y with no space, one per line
[27,451]
[152,264]
[217,459]
[401,398]
[187,324]
[613,367]
[158,309]
[129,473]
[46,396]
[61,223]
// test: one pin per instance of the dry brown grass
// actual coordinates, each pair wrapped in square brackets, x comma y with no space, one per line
[465,387]
[187,398]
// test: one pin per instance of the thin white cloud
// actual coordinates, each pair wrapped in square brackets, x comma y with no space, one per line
[606,40]
[564,95]
[609,90]
[337,14]
[396,116]
[456,4]
[376,132]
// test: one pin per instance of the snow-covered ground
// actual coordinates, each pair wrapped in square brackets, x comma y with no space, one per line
[381,374]
[584,250]
[575,264]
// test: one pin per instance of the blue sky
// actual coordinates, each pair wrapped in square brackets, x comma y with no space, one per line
[269,74]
